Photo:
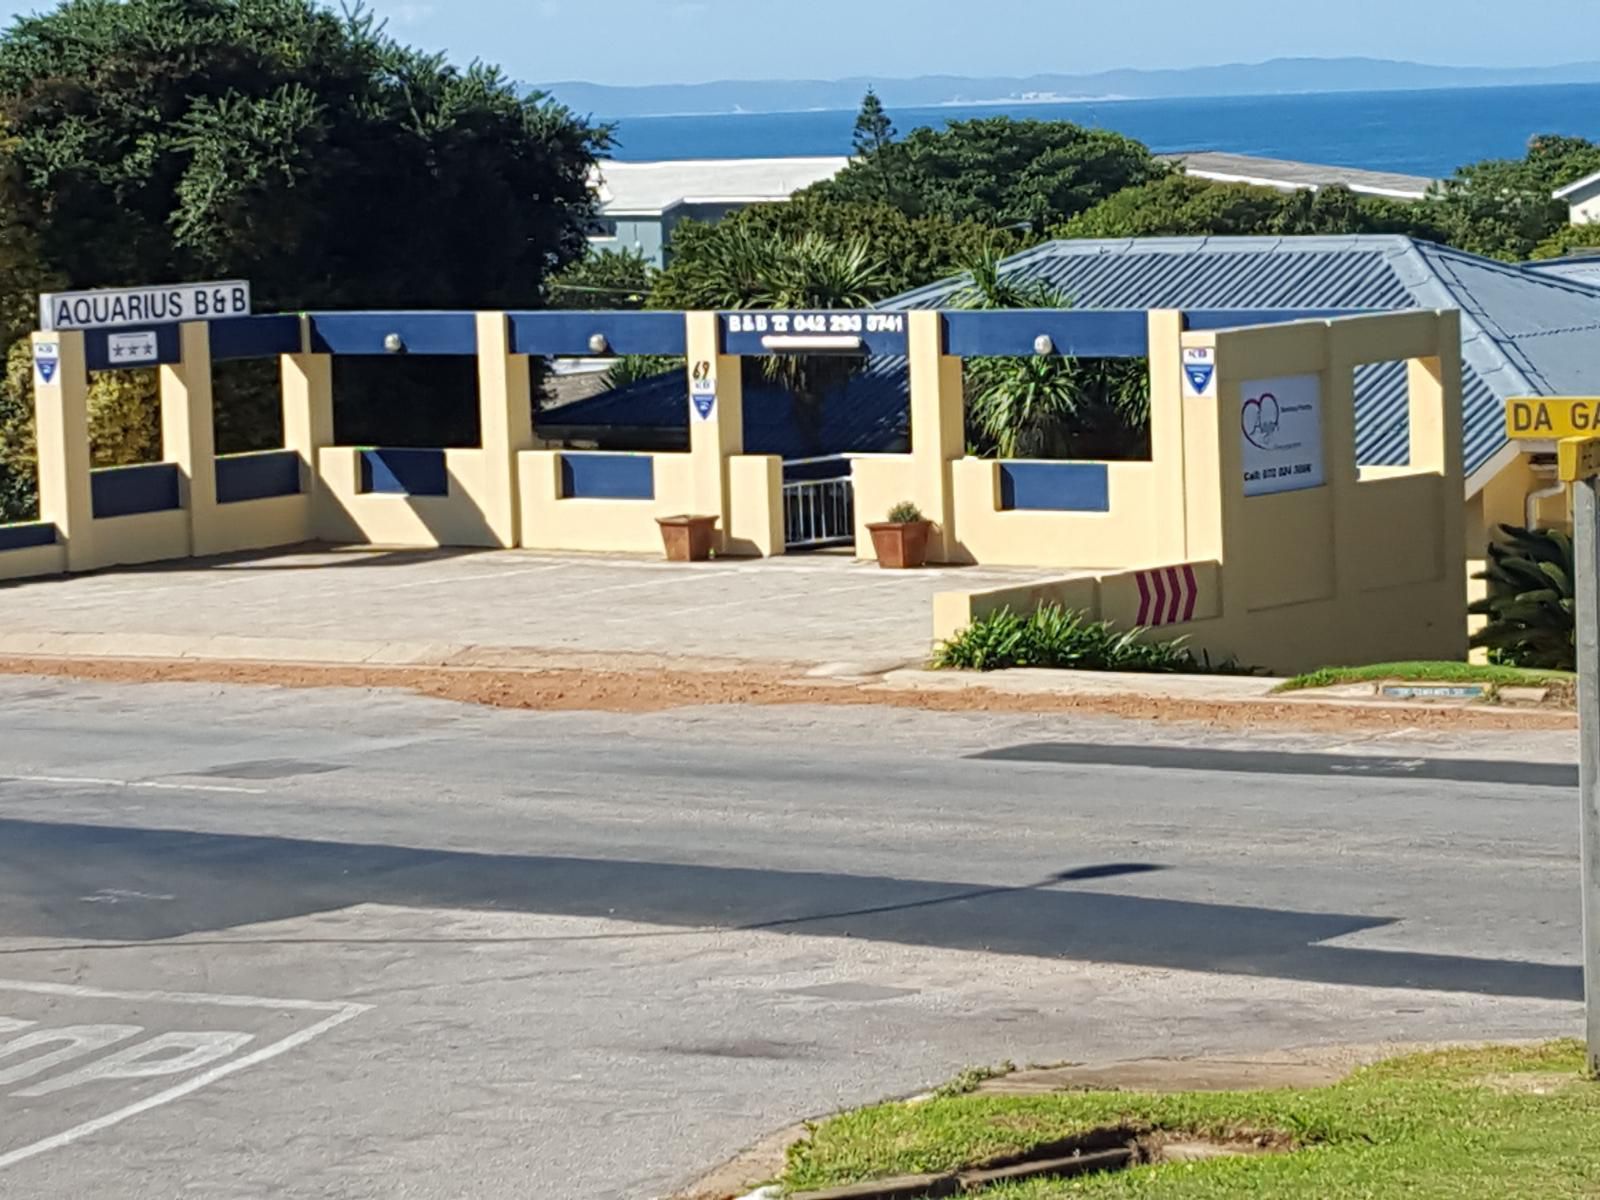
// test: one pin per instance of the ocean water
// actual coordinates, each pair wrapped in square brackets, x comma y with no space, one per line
[1426,133]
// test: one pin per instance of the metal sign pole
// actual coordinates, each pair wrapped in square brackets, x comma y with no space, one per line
[1586,555]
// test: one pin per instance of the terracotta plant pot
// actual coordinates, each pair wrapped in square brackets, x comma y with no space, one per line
[687,539]
[900,545]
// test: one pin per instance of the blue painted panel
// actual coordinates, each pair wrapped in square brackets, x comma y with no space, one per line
[27,534]
[254,337]
[1224,318]
[1084,333]
[608,477]
[441,333]
[567,334]
[405,472]
[881,333]
[257,476]
[99,356]
[1055,487]
[127,491]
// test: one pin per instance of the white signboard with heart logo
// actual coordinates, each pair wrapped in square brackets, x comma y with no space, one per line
[1280,428]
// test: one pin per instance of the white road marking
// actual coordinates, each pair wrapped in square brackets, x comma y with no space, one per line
[146,784]
[79,1040]
[118,895]
[149,1059]
[339,1012]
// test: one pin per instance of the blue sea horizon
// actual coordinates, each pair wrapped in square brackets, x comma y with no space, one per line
[1428,133]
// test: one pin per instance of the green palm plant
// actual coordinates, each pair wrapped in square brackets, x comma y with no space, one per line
[1531,601]
[748,270]
[1048,407]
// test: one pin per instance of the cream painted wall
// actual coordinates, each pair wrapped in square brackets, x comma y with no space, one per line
[550,522]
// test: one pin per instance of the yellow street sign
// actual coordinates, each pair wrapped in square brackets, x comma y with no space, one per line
[1578,458]
[1549,418]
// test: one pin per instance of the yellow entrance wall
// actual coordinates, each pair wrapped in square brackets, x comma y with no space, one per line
[344,513]
[33,560]
[1366,567]
[550,522]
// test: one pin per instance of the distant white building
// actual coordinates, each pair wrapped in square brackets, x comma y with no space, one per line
[1583,199]
[1220,167]
[641,203]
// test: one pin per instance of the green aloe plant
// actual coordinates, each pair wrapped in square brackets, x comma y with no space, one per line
[1530,602]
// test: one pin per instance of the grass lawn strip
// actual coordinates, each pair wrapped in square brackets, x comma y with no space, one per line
[1498,1122]
[1429,672]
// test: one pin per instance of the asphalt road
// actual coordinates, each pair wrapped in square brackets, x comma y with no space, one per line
[336,944]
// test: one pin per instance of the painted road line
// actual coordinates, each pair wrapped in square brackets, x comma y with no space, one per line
[338,1012]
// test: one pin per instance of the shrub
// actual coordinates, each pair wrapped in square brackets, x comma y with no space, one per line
[904,513]
[1530,602]
[1065,639]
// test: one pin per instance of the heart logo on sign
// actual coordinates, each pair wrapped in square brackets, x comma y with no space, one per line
[1260,419]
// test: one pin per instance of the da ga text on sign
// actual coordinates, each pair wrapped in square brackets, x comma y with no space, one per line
[1547,418]
[144,305]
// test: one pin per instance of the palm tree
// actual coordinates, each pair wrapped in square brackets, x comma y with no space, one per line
[1049,407]
[804,273]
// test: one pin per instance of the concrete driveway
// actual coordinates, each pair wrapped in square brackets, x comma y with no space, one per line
[361,605]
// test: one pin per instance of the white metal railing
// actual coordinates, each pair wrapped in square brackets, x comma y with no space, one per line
[819,512]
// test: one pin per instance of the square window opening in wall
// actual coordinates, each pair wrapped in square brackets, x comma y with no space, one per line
[1383,418]
[247,405]
[1058,409]
[406,401]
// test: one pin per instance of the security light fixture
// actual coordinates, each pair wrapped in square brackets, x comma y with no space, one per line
[1044,344]
[393,343]
[598,344]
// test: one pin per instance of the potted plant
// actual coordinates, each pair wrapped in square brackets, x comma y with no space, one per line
[687,538]
[901,541]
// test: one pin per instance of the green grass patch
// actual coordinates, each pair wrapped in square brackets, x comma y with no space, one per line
[1502,1122]
[1428,672]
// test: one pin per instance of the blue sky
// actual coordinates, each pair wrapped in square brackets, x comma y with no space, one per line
[673,41]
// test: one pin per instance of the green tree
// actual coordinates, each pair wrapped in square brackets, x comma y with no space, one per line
[1183,205]
[874,131]
[278,141]
[910,251]
[1049,406]
[1505,208]
[747,267]
[1001,172]
[604,279]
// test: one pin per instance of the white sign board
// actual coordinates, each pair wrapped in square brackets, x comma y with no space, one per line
[47,361]
[1200,373]
[144,305]
[1280,426]
[129,349]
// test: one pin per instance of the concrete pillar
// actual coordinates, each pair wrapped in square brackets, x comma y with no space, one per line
[1213,476]
[505,399]
[1167,453]
[61,416]
[938,431]
[188,435]
[716,420]
[307,381]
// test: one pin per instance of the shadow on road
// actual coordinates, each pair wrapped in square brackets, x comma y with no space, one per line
[185,883]
[1262,762]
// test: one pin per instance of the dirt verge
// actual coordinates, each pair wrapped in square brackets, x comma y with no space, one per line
[658,689]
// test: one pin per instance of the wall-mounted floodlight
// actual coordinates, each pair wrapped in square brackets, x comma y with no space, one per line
[1044,344]
[801,343]
[393,343]
[598,344]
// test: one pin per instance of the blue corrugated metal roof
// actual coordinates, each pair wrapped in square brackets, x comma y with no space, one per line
[1579,268]
[1524,332]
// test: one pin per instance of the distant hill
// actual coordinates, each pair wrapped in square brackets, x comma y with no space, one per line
[1279,76]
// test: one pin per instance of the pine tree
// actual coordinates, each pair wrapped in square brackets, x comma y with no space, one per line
[874,130]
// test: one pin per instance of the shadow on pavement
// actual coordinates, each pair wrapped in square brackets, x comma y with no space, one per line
[63,882]
[1262,762]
